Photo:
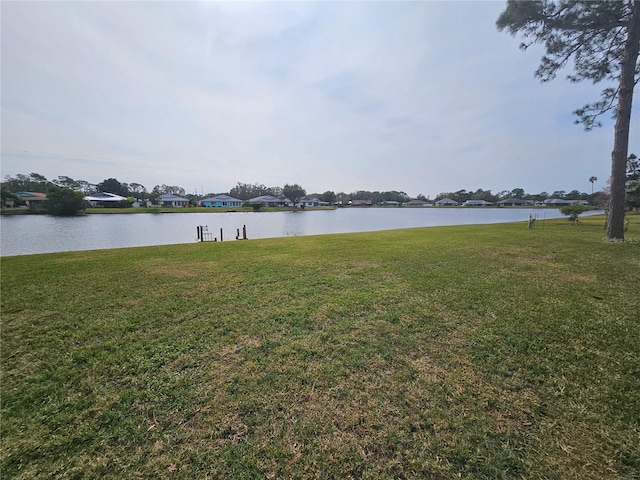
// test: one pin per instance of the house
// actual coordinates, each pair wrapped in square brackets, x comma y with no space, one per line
[171,200]
[361,203]
[308,202]
[271,201]
[514,202]
[32,199]
[221,201]
[142,203]
[391,203]
[418,203]
[558,202]
[104,199]
[477,203]
[446,202]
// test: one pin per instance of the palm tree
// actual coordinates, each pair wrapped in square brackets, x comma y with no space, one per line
[593,180]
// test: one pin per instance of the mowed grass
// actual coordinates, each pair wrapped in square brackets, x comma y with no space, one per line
[479,352]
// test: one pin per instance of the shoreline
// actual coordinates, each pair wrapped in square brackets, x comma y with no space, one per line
[163,210]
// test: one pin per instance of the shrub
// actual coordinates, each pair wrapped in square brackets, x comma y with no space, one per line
[573,212]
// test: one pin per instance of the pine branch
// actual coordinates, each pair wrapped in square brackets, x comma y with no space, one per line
[588,114]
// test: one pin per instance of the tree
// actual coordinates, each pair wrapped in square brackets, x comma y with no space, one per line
[9,198]
[603,39]
[633,182]
[164,189]
[111,185]
[275,192]
[329,197]
[592,180]
[34,182]
[246,191]
[573,212]
[137,189]
[342,198]
[485,195]
[64,201]
[394,196]
[538,197]
[574,195]
[461,196]
[86,187]
[600,199]
[82,185]
[517,193]
[67,182]
[294,192]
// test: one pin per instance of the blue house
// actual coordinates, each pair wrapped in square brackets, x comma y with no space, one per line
[221,201]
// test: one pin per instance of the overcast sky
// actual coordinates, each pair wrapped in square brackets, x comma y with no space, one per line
[421,97]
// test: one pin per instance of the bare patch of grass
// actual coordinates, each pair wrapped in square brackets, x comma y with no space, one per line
[457,352]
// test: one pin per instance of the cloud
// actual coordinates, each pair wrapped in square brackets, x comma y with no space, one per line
[416,96]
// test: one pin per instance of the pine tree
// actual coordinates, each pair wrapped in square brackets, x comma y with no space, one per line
[603,40]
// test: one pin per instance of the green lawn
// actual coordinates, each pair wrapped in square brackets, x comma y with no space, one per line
[478,352]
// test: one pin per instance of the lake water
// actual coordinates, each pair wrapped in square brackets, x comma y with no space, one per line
[27,234]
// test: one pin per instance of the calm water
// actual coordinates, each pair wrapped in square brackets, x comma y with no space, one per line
[27,234]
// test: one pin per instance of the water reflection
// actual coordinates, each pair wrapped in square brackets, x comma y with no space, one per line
[26,234]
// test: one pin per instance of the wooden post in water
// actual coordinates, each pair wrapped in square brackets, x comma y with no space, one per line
[244,233]
[220,234]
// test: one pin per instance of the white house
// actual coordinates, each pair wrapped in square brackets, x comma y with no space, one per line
[308,202]
[514,202]
[477,203]
[418,203]
[558,202]
[446,202]
[103,198]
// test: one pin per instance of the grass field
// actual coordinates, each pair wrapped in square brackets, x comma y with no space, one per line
[477,352]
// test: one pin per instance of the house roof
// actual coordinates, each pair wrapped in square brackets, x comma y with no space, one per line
[513,200]
[104,197]
[170,197]
[447,200]
[267,199]
[221,198]
[559,201]
[477,202]
[31,196]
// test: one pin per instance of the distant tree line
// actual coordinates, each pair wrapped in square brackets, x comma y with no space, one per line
[462,196]
[35,182]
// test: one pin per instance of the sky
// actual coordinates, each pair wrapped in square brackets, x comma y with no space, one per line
[421,97]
